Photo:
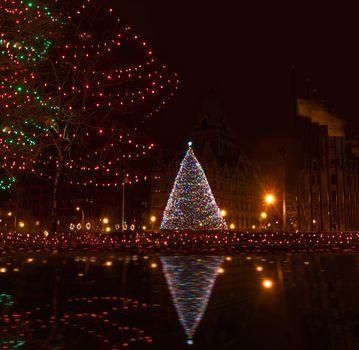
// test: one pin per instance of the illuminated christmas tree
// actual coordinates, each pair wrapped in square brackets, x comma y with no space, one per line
[27,32]
[190,280]
[75,86]
[191,205]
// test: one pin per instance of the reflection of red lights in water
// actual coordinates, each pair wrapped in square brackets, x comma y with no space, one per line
[107,320]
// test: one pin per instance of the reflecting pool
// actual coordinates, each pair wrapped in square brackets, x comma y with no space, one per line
[114,301]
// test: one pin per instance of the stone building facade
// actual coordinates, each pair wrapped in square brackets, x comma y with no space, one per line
[328,181]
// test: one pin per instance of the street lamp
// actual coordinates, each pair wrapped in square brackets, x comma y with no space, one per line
[82,217]
[263,216]
[223,213]
[9,214]
[269,199]
[153,220]
[267,283]
[124,182]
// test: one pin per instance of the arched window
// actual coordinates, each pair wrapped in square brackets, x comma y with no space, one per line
[204,124]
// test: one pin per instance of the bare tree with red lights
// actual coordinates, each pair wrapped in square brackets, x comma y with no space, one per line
[72,113]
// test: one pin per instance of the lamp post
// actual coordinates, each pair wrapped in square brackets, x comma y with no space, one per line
[269,200]
[82,217]
[123,207]
[283,153]
[125,180]
[10,214]
[263,216]
[153,220]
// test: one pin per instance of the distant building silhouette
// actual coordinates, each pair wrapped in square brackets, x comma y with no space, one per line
[328,175]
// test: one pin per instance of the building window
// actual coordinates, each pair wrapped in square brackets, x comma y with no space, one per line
[315,165]
[314,180]
[334,196]
[333,179]
[204,124]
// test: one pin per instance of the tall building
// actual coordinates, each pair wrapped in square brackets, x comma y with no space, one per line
[229,172]
[328,177]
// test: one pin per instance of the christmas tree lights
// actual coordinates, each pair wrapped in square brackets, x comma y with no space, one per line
[6,300]
[190,280]
[23,38]
[6,184]
[191,205]
[75,85]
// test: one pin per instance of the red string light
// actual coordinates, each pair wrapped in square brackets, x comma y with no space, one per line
[115,83]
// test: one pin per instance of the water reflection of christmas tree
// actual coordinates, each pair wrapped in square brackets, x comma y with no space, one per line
[190,280]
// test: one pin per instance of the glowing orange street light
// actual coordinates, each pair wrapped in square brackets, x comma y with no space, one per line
[267,283]
[263,215]
[269,199]
[223,213]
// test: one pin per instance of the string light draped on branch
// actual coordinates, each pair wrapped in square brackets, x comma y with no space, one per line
[27,32]
[191,205]
[76,84]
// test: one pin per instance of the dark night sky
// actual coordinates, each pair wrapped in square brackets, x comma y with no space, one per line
[245,53]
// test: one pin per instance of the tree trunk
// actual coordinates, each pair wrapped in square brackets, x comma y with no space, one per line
[55,198]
